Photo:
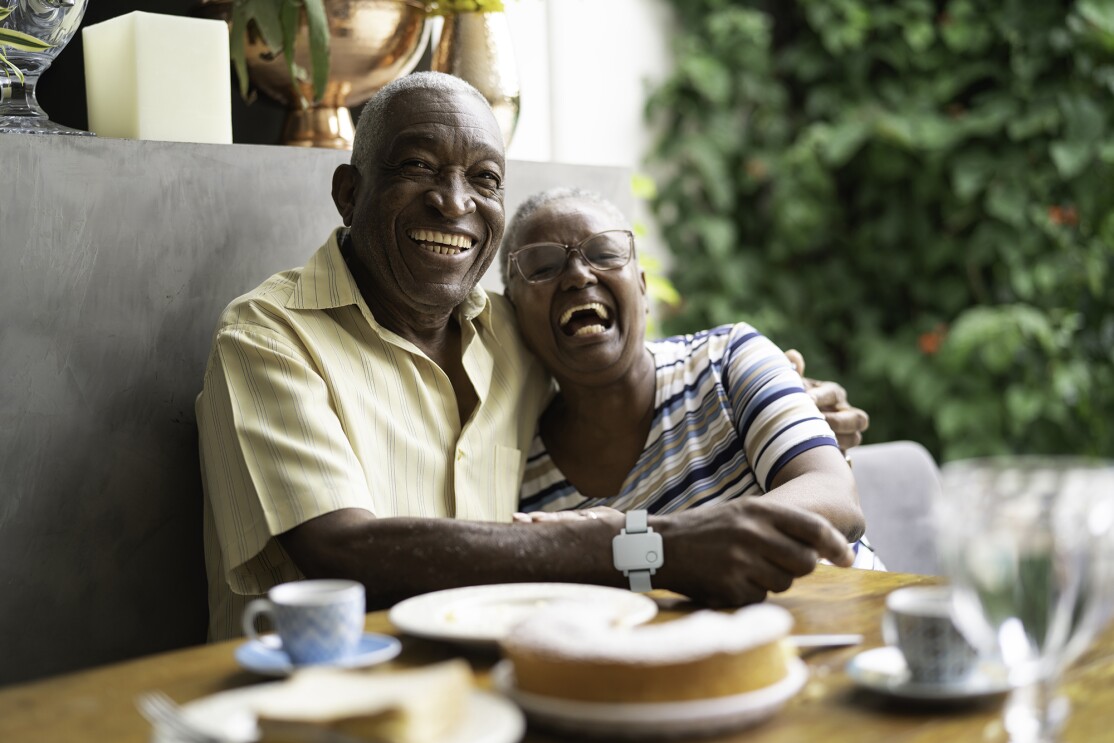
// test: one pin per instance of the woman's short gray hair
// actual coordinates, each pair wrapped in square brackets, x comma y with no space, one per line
[377,112]
[526,209]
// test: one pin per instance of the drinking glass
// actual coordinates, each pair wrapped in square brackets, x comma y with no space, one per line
[1026,543]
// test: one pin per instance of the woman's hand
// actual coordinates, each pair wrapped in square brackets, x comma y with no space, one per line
[537,517]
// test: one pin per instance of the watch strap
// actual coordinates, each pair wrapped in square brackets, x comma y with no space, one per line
[637,521]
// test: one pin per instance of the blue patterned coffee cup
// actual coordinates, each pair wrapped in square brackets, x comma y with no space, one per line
[317,621]
[918,621]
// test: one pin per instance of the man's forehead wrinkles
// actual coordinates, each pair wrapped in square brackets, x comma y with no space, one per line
[434,136]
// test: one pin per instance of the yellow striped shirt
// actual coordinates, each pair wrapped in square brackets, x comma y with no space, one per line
[309,406]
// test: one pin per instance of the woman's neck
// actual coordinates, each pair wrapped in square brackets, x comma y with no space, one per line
[596,434]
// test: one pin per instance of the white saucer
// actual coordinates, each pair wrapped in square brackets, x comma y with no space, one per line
[883,670]
[486,718]
[657,720]
[268,660]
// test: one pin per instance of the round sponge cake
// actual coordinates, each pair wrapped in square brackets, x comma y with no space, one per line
[572,652]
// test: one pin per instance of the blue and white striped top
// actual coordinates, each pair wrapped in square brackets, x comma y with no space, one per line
[730,412]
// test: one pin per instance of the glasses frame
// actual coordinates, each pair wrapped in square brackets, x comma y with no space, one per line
[569,251]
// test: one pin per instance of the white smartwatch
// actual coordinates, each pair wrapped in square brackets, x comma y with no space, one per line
[637,551]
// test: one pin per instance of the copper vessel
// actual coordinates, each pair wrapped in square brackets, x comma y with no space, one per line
[371,42]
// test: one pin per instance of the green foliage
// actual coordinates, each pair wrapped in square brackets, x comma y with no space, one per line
[917,194]
[277,22]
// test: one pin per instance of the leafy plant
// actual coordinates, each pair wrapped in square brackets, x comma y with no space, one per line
[277,23]
[12,39]
[917,194]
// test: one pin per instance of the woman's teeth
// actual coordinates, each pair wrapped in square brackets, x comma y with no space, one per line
[596,307]
[442,243]
[585,319]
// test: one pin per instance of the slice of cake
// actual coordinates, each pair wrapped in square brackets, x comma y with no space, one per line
[572,652]
[333,705]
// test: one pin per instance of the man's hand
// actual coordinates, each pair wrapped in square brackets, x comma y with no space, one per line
[735,554]
[846,421]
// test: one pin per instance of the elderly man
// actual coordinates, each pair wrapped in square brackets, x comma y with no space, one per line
[379,381]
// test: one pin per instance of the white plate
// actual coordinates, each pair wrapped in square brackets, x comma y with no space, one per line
[488,718]
[883,670]
[484,614]
[665,719]
[267,659]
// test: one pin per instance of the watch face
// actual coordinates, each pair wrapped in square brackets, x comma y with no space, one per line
[637,551]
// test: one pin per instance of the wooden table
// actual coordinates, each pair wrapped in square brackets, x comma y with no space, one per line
[97,705]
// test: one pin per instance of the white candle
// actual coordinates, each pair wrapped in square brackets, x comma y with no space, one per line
[153,76]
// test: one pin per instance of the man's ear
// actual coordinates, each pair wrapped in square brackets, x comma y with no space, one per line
[345,181]
[642,278]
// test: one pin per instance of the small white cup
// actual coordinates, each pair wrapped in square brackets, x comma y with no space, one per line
[918,621]
[317,621]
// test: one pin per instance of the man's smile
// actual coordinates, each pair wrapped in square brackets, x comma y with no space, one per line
[441,243]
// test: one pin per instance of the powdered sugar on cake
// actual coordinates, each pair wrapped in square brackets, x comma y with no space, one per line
[580,632]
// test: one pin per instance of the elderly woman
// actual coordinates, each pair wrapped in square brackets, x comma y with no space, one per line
[696,420]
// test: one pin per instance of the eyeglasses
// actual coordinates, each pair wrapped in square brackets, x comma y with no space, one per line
[603,251]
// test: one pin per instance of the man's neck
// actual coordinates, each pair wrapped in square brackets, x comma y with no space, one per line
[429,329]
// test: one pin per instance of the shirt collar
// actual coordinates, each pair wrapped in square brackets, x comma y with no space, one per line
[326,283]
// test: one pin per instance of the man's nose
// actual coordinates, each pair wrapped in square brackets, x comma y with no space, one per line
[578,273]
[451,196]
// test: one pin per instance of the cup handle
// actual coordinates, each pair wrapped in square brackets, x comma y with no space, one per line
[889,629]
[255,608]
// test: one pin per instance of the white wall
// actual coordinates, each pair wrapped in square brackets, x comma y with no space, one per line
[585,67]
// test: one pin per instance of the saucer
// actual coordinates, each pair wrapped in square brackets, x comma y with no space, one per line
[883,670]
[267,660]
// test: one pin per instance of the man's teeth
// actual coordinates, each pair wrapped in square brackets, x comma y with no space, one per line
[596,307]
[442,243]
[590,330]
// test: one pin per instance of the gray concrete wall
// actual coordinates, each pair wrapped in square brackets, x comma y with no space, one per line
[115,258]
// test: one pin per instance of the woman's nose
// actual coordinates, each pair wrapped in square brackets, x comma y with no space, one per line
[577,273]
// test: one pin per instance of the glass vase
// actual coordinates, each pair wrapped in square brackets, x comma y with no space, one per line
[32,34]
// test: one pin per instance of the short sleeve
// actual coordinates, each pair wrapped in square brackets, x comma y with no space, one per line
[273,451]
[773,415]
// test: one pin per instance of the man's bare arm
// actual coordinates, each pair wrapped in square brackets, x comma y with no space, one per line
[400,557]
[724,559]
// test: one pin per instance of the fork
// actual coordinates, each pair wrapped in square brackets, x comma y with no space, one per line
[165,715]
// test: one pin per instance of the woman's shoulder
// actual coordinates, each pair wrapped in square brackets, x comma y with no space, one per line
[711,344]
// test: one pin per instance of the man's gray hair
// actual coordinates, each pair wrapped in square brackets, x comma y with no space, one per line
[511,237]
[377,112]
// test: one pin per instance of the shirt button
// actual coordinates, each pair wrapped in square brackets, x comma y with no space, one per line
[459,454]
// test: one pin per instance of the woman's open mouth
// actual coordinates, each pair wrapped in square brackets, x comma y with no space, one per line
[592,318]
[441,243]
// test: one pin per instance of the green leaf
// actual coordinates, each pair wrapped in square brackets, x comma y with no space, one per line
[1071,158]
[23,42]
[5,12]
[265,13]
[1100,14]
[289,17]
[236,36]
[318,23]
[643,186]
[844,140]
